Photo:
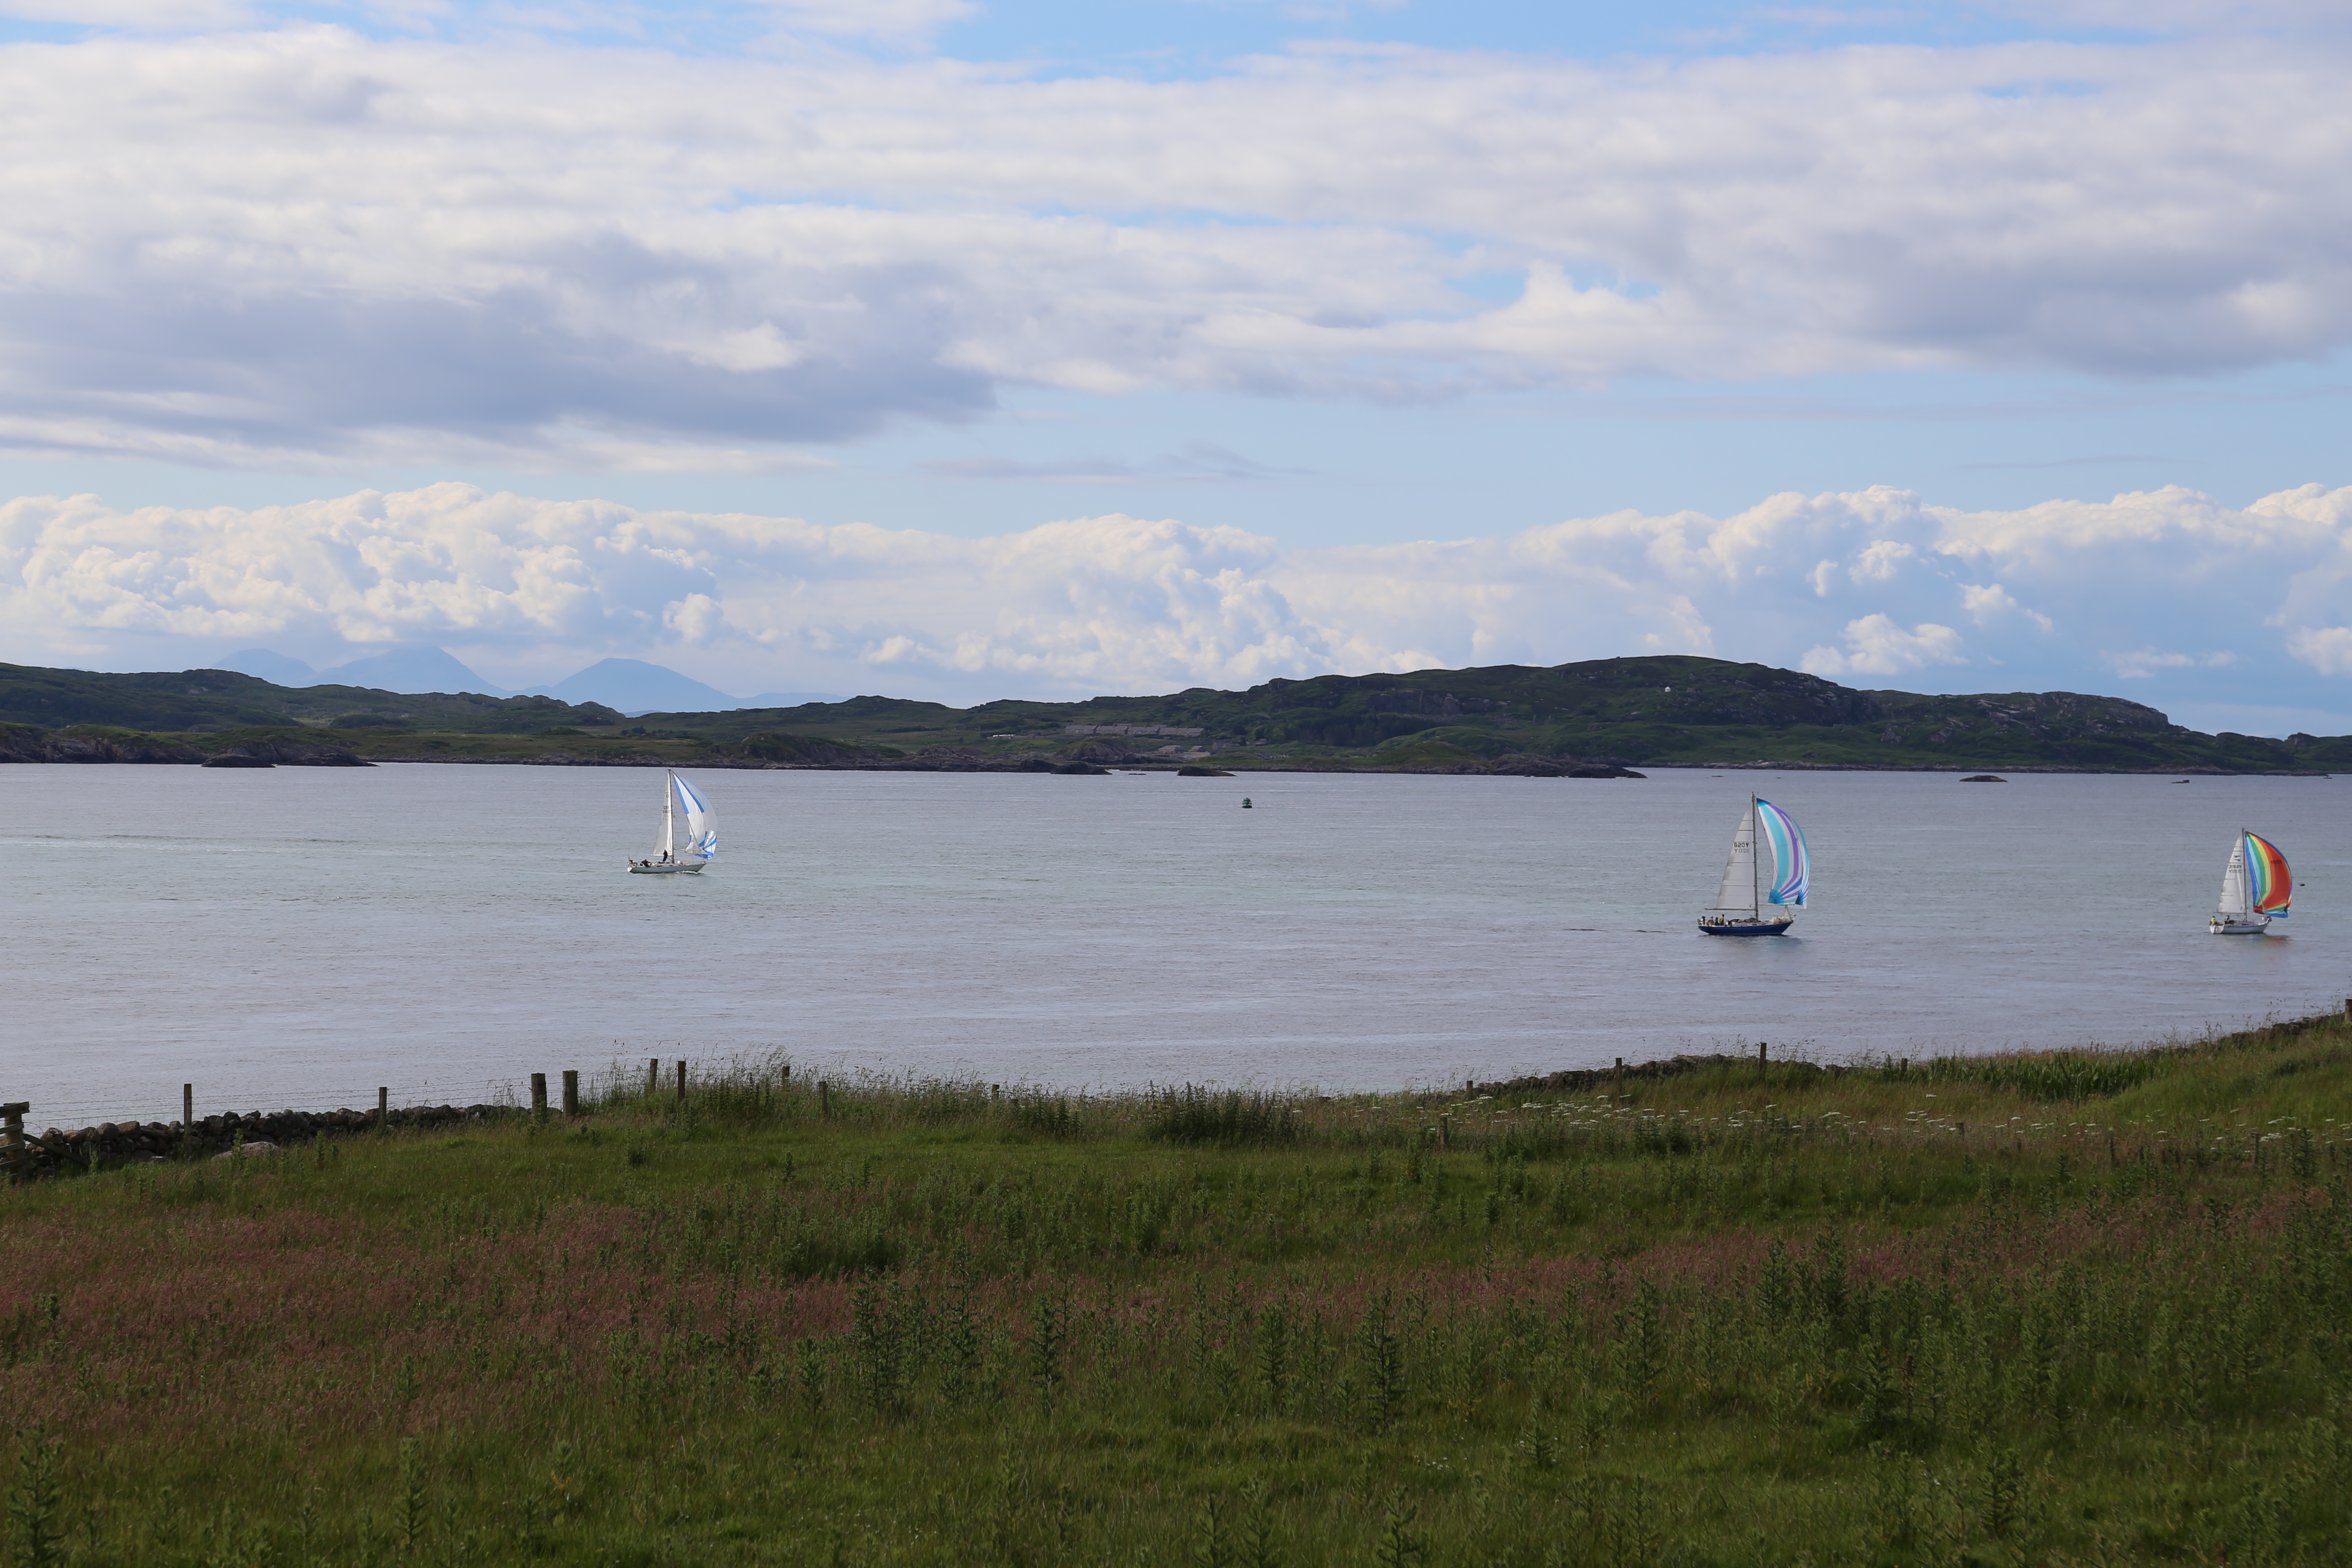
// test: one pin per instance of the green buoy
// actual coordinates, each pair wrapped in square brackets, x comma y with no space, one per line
[1245,803]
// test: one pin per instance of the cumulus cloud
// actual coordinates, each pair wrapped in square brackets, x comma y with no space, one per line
[1874,645]
[2140,663]
[529,589]
[2326,648]
[161,15]
[291,245]
[1989,604]
[892,21]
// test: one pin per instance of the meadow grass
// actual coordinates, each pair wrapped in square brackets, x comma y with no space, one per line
[2081,1307]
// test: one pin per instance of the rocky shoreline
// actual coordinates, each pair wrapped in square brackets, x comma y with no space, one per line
[107,1145]
[25,744]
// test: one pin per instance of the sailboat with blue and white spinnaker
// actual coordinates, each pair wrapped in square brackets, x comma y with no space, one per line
[1765,880]
[681,801]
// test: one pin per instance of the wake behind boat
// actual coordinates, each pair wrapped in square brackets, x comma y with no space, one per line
[2256,888]
[1761,883]
[681,799]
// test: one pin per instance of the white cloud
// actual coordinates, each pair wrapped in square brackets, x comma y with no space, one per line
[1879,562]
[279,247]
[2142,663]
[170,15]
[891,21]
[1989,603]
[529,589]
[2326,648]
[1874,645]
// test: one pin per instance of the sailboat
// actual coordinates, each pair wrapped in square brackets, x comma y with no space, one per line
[1760,892]
[2256,888]
[700,844]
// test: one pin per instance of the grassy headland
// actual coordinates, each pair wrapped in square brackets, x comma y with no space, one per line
[1664,712]
[2076,1307]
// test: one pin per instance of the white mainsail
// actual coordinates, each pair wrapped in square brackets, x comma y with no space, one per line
[2236,895]
[1737,890]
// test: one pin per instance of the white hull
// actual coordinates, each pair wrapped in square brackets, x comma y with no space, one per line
[655,868]
[2225,925]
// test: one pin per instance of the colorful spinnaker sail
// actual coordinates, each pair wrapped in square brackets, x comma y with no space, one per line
[1792,867]
[701,827]
[2270,884]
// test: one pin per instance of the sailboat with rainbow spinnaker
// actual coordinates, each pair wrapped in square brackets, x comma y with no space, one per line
[2256,888]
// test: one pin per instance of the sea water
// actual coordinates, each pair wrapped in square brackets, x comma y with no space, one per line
[299,936]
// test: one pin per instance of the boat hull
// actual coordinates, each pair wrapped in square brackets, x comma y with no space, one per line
[639,868]
[1745,928]
[2219,926]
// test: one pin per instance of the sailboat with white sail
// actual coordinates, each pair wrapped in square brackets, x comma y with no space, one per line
[2256,888]
[682,804]
[1765,878]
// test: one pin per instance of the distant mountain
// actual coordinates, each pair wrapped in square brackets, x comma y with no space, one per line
[634,687]
[415,669]
[265,665]
[791,698]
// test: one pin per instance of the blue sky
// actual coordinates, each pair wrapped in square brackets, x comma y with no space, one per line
[964,349]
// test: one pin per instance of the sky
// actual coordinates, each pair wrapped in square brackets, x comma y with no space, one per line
[961,350]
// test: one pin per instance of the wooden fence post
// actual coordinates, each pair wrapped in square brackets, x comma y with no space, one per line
[653,1077]
[539,1096]
[1760,1065]
[681,1080]
[1445,1133]
[1618,1092]
[187,1114]
[570,1092]
[823,1099]
[16,1156]
[382,1109]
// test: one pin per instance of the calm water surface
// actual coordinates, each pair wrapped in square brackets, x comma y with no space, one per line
[301,935]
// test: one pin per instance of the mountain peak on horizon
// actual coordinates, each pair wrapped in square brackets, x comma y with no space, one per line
[410,669]
[635,687]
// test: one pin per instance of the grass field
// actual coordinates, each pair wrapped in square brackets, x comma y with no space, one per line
[2070,1308]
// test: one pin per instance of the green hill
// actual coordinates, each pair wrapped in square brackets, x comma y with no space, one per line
[1664,710]
[199,700]
[1657,711]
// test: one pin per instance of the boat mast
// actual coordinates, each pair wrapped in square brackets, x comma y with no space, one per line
[669,788]
[1755,861]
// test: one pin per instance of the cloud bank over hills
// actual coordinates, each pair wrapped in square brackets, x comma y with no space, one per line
[1877,587]
[304,245]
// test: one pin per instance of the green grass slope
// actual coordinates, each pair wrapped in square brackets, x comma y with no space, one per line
[2078,1309]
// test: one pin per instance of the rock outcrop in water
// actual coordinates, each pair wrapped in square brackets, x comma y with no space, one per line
[288,754]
